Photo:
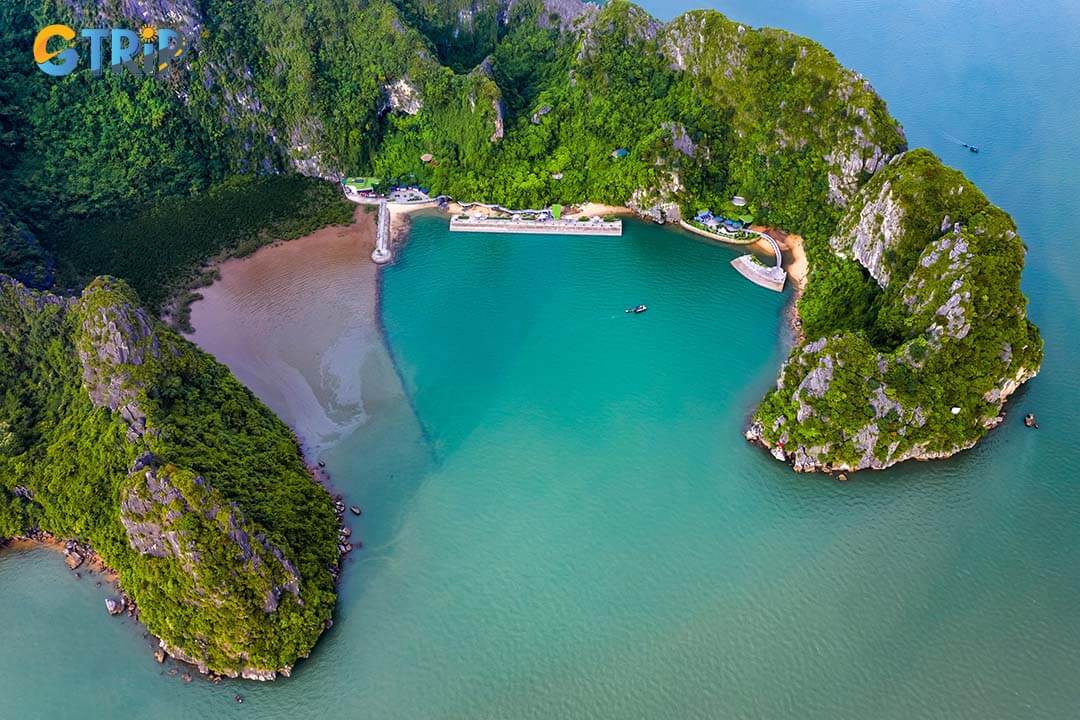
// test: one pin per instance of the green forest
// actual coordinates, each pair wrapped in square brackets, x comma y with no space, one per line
[75,416]
[129,186]
[919,364]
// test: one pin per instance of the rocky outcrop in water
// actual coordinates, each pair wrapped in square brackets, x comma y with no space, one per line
[923,368]
[187,486]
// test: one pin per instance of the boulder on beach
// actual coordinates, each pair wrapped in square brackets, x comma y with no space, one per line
[73,559]
[160,655]
[114,606]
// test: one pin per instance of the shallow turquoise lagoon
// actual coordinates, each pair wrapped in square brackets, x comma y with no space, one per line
[562,520]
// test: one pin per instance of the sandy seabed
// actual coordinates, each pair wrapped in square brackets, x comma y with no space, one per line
[297,323]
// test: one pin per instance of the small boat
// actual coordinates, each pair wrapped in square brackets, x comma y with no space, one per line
[973,149]
[636,310]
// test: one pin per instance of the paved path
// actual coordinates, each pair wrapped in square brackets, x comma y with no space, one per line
[383,253]
[748,266]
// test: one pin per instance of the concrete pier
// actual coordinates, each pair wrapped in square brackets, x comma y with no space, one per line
[383,254]
[772,278]
[595,226]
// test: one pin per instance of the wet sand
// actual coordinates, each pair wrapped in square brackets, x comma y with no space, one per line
[593,209]
[297,323]
[794,255]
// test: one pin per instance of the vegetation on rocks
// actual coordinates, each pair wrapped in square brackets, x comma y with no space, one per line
[918,328]
[115,431]
[120,433]
[21,255]
[537,96]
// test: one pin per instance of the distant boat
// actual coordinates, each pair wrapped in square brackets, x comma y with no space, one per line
[636,310]
[958,141]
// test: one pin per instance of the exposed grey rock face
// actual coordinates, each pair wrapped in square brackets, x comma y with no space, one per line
[402,96]
[816,382]
[183,15]
[884,405]
[28,299]
[642,27]
[156,513]
[1008,386]
[853,160]
[680,139]
[119,337]
[876,229]
[486,70]
[568,12]
[150,537]
[304,154]
[814,385]
[541,111]
[658,203]
[685,38]
[499,131]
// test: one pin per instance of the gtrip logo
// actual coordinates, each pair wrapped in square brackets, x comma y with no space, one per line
[146,52]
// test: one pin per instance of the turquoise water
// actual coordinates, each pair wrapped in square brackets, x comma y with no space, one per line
[562,520]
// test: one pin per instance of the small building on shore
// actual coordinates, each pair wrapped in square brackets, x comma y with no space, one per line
[360,186]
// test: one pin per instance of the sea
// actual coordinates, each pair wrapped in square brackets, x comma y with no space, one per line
[561,518]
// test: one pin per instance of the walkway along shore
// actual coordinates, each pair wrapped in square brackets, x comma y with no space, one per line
[384,238]
[382,254]
[771,278]
[537,227]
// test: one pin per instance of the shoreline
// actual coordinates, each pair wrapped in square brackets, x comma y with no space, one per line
[360,235]
[221,318]
[793,253]
[795,263]
[90,561]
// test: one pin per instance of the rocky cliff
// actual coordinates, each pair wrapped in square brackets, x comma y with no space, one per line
[757,78]
[924,368]
[180,479]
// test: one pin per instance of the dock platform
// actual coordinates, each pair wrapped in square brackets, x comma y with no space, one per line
[611,228]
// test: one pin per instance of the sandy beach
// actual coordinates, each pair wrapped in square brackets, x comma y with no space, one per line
[794,260]
[297,323]
[592,209]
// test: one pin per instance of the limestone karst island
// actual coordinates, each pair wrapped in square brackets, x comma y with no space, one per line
[456,358]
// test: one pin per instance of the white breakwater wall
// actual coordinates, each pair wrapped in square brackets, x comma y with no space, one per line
[536,227]
[383,253]
[772,278]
